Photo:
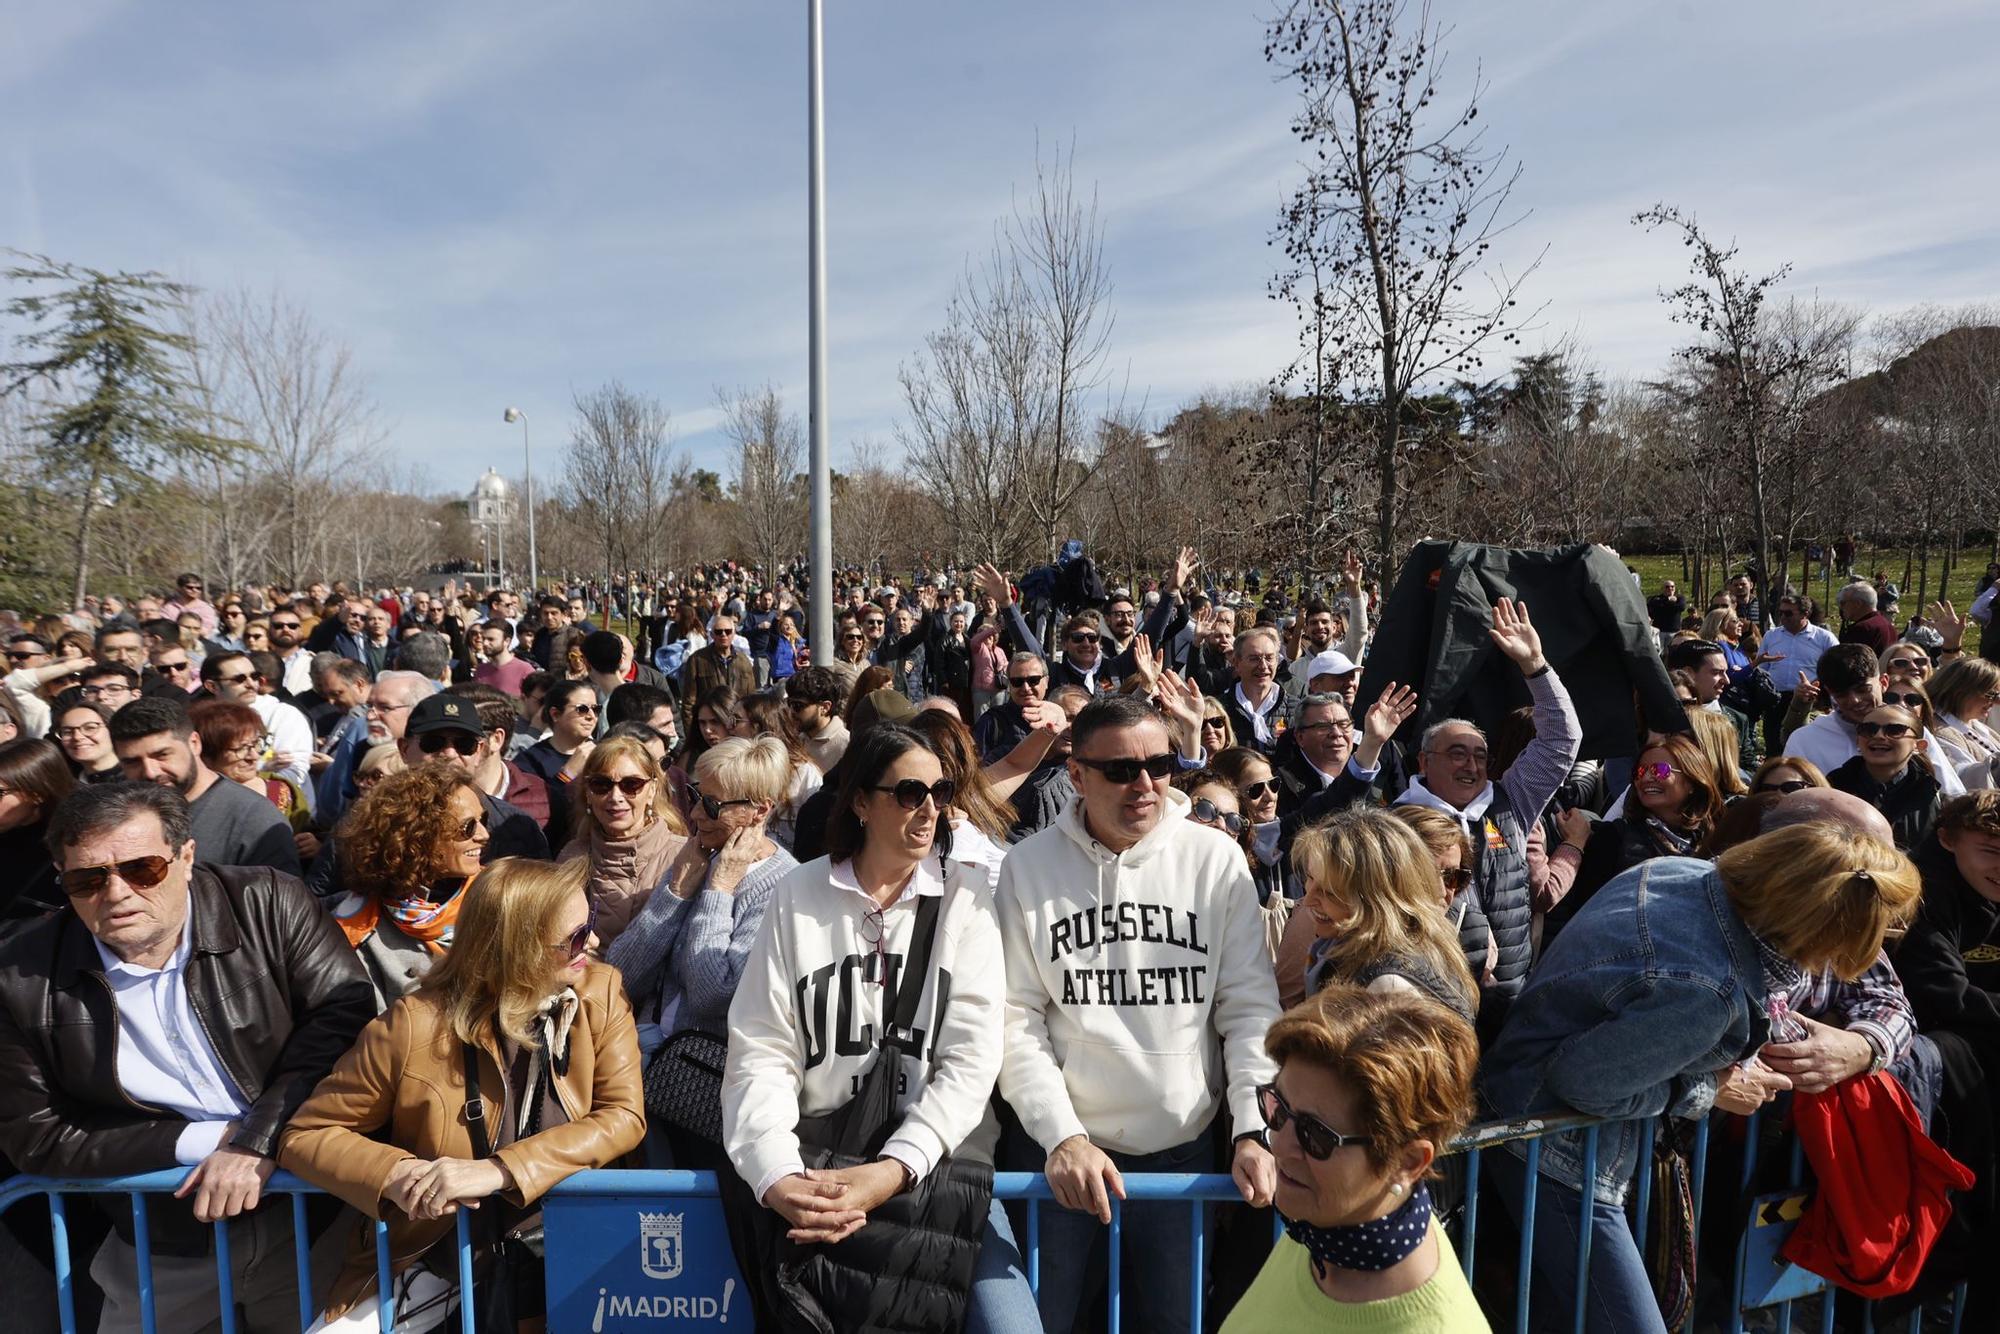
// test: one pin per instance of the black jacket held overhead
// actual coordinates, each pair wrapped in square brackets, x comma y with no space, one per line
[1595,632]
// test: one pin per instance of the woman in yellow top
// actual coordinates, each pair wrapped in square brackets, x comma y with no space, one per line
[1371,1087]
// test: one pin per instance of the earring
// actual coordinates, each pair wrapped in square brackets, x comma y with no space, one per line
[1396,1188]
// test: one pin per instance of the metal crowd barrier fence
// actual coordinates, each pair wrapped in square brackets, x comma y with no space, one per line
[588,1237]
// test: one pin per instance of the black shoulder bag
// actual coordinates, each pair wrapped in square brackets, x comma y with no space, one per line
[909,1267]
[509,1281]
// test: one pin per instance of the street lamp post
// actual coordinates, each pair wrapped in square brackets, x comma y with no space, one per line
[528,467]
[820,612]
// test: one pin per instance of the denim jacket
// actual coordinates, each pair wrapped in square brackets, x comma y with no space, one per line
[1647,994]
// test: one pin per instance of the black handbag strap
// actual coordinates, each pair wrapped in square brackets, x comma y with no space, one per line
[475,1107]
[900,1026]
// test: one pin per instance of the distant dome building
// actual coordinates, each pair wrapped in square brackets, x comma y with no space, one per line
[492,499]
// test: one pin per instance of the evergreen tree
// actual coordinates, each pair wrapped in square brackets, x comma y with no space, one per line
[116,408]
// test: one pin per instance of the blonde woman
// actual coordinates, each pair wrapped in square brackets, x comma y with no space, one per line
[1375,907]
[1655,999]
[628,830]
[550,1037]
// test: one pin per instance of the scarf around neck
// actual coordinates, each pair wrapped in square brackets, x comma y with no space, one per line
[429,923]
[1381,1243]
[1416,794]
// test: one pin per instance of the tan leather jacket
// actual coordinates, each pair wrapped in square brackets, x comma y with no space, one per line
[404,1081]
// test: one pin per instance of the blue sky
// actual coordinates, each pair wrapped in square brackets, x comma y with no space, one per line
[499,203]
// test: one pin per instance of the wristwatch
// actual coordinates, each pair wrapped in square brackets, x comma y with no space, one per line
[1263,1138]
[909,1177]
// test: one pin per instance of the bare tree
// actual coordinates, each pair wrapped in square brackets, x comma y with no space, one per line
[1398,214]
[768,485]
[1761,370]
[616,457]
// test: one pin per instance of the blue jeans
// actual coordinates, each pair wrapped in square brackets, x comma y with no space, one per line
[1158,1245]
[1001,1301]
[1620,1300]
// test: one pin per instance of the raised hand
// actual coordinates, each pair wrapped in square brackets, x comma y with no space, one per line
[1949,623]
[1147,661]
[1514,635]
[1379,725]
[1350,570]
[993,582]
[1183,570]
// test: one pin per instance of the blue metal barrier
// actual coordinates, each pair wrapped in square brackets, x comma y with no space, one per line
[663,1188]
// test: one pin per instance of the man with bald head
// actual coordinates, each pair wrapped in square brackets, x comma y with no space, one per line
[1846,1028]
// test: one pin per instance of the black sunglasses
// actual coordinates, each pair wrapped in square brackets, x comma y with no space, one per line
[1204,812]
[1025,682]
[1789,787]
[1315,1136]
[1257,791]
[911,792]
[1128,771]
[715,806]
[1083,638]
[1455,878]
[631,785]
[1894,731]
[1907,699]
[461,743]
[139,872]
[471,824]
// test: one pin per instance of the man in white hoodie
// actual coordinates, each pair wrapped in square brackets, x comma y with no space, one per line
[1138,995]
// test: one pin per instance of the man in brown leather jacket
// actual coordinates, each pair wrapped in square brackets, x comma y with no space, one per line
[169,1016]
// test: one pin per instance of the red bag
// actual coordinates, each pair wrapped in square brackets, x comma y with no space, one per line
[1884,1186]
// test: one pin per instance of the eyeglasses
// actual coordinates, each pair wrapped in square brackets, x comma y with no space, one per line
[1337,725]
[576,942]
[23,654]
[1128,771]
[80,730]
[1455,878]
[241,679]
[911,792]
[1894,731]
[459,743]
[798,704]
[139,872]
[713,807]
[874,624]
[1659,773]
[1025,682]
[1083,637]
[1905,698]
[287,625]
[1787,787]
[375,707]
[852,637]
[1910,660]
[874,932]
[1462,755]
[470,826]
[1258,791]
[108,688]
[1315,1136]
[631,785]
[1205,812]
[173,668]
[590,709]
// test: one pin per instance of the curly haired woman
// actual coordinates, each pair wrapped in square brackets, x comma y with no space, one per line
[407,850]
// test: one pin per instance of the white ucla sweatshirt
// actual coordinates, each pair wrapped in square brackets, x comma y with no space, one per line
[807,1017]
[1138,989]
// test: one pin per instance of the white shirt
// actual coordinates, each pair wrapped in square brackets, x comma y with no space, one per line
[297,672]
[1828,741]
[1798,653]
[1981,609]
[164,1056]
[291,735]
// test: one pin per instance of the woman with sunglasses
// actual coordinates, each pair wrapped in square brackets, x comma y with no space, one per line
[1257,794]
[1214,803]
[683,954]
[1375,909]
[406,851]
[1892,773]
[1216,733]
[767,713]
[1784,775]
[626,828]
[1670,810]
[34,779]
[980,814]
[1371,1088]
[837,936]
[549,1035]
[1963,693]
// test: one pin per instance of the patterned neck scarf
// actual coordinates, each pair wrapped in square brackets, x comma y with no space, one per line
[1378,1244]
[426,921]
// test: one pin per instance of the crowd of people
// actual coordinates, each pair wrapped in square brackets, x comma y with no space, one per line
[435,896]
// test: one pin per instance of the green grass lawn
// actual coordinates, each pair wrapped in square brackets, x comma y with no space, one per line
[1964,579]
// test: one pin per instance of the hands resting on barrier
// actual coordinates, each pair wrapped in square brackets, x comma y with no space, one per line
[1083,1177]
[228,1182]
[435,1188]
